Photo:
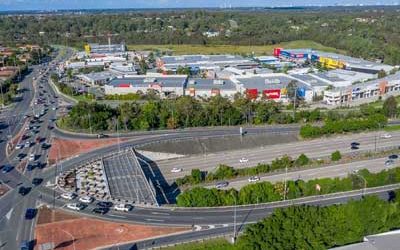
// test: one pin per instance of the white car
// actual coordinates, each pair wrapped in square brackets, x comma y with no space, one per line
[86,199]
[386,136]
[68,196]
[27,144]
[254,179]
[176,170]
[222,184]
[122,207]
[19,146]
[75,206]
[32,157]
[243,160]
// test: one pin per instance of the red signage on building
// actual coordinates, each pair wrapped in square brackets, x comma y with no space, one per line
[272,93]
[124,85]
[252,93]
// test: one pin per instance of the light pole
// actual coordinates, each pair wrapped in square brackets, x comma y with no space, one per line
[234,220]
[285,183]
[364,180]
[73,239]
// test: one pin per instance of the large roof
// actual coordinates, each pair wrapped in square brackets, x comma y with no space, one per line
[143,81]
[270,81]
[208,84]
[193,59]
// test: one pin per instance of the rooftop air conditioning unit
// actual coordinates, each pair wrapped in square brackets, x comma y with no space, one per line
[147,80]
[218,82]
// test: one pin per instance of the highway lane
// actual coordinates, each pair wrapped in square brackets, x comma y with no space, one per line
[338,170]
[224,230]
[312,148]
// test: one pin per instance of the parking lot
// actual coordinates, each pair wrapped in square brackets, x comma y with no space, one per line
[126,179]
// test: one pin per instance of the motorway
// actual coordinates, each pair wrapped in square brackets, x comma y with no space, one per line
[313,149]
[13,226]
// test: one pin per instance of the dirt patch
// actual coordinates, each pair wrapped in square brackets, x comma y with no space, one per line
[86,233]
[62,148]
[47,215]
[3,189]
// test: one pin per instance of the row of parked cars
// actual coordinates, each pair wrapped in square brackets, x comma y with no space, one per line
[102,207]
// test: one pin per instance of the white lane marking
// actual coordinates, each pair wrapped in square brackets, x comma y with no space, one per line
[211,226]
[160,213]
[8,215]
[155,220]
[197,228]
[118,216]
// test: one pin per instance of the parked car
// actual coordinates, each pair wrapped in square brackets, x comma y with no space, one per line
[243,160]
[222,184]
[26,245]
[86,199]
[100,210]
[176,170]
[254,179]
[122,207]
[30,167]
[27,144]
[30,213]
[393,157]
[76,206]
[19,146]
[68,196]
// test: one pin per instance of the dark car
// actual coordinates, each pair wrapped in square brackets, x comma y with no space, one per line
[30,213]
[24,190]
[30,166]
[393,157]
[26,245]
[354,147]
[45,146]
[37,181]
[21,156]
[103,204]
[355,144]
[7,169]
[100,210]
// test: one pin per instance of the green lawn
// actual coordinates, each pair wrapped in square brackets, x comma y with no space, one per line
[392,128]
[232,49]
[215,244]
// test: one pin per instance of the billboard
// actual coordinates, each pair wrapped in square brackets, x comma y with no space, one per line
[124,85]
[272,93]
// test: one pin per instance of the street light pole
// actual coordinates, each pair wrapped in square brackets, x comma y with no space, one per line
[234,221]
[285,183]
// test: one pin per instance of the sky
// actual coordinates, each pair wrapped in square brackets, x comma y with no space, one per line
[6,5]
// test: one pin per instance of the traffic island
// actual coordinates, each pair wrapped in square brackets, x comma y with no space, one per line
[65,231]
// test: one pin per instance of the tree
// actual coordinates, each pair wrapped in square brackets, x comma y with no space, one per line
[381,74]
[336,156]
[302,160]
[390,107]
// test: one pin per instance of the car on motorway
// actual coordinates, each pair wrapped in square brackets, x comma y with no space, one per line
[68,196]
[30,166]
[353,147]
[243,160]
[254,179]
[32,157]
[123,207]
[45,146]
[37,181]
[102,136]
[222,184]
[100,210]
[26,245]
[24,190]
[30,213]
[76,206]
[176,170]
[19,146]
[7,168]
[386,136]
[389,163]
[86,199]
[393,157]
[104,204]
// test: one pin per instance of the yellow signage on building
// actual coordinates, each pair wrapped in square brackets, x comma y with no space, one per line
[87,49]
[331,63]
